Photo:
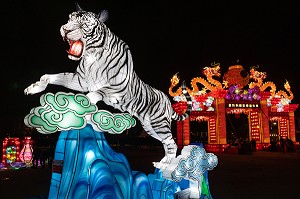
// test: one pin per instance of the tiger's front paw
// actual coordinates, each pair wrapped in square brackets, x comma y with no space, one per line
[36,87]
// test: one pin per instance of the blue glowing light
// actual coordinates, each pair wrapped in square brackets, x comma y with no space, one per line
[85,166]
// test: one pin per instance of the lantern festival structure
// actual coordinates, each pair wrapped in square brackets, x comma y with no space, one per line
[84,165]
[11,150]
[269,111]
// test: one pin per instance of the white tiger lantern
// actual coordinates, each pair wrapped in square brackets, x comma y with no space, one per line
[105,72]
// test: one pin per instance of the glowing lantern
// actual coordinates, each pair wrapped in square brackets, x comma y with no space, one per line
[11,150]
[26,152]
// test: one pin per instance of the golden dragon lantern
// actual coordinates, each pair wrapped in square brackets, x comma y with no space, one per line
[258,78]
[208,84]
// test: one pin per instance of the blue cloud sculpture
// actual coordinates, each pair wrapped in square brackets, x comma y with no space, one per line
[192,165]
[85,166]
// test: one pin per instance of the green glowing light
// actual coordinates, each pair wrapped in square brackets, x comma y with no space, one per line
[60,111]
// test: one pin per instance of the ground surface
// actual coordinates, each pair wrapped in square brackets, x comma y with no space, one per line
[261,175]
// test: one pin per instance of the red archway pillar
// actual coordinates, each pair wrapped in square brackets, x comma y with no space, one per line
[292,126]
[212,131]
[283,127]
[221,121]
[254,126]
[186,132]
[179,139]
[183,133]
[265,134]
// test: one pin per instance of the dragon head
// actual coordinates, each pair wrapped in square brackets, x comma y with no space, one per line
[84,32]
[174,80]
[212,71]
[256,75]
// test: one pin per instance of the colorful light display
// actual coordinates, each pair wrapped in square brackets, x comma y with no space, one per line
[259,101]
[11,154]
[11,150]
[237,93]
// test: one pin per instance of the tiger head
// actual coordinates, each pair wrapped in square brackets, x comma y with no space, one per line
[84,31]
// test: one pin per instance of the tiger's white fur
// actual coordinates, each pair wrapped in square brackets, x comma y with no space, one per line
[106,72]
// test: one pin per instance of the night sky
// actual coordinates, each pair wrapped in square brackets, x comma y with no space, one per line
[165,37]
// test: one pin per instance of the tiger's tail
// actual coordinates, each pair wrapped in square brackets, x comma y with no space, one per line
[176,116]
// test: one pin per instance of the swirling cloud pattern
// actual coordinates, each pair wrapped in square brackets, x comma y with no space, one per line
[192,164]
[60,111]
[62,102]
[113,123]
[66,111]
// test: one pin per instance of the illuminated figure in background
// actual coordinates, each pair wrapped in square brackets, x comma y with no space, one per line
[106,72]
[26,152]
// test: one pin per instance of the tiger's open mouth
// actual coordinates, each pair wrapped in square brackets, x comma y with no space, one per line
[75,48]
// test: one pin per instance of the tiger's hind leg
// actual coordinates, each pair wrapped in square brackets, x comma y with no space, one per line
[167,140]
[170,148]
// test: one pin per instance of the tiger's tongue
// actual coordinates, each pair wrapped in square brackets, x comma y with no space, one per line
[76,48]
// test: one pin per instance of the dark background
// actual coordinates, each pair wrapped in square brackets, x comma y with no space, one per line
[165,37]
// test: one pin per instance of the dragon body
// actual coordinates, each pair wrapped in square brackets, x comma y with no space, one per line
[209,84]
[258,78]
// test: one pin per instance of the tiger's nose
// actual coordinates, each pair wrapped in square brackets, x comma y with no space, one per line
[66,30]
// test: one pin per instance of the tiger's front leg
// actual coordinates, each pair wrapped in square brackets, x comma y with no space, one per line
[68,80]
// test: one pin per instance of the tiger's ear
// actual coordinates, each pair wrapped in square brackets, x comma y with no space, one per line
[103,16]
[78,8]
